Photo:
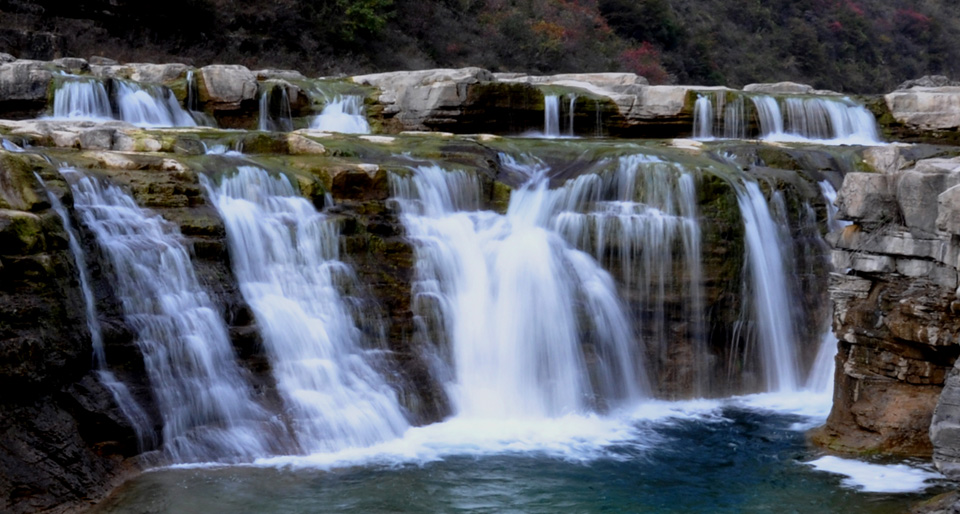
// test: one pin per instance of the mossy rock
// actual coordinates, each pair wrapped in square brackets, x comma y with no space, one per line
[21,233]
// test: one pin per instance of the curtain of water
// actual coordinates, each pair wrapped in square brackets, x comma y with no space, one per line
[206,405]
[515,302]
[343,113]
[285,255]
[131,409]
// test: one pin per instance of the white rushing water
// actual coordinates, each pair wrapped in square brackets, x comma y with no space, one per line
[275,112]
[81,99]
[822,120]
[551,116]
[131,409]
[703,118]
[770,291]
[141,105]
[207,410]
[630,218]
[343,113]
[877,478]
[511,301]
[285,256]
[150,106]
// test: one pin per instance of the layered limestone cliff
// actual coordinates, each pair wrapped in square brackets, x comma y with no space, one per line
[895,303]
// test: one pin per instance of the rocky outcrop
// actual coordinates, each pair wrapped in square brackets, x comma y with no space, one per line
[62,440]
[895,298]
[926,108]
[24,87]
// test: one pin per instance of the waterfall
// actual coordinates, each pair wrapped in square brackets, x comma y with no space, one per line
[630,220]
[551,116]
[193,92]
[768,116]
[770,291]
[571,108]
[150,106]
[141,105]
[821,375]
[205,404]
[84,99]
[275,111]
[285,255]
[830,120]
[512,304]
[703,118]
[735,119]
[343,114]
[131,409]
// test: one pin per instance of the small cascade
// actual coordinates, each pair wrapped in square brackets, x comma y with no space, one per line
[571,112]
[703,118]
[343,113]
[285,255]
[735,119]
[149,106]
[275,111]
[769,116]
[551,116]
[769,289]
[821,375]
[830,198]
[193,92]
[81,99]
[825,120]
[131,409]
[206,406]
[477,275]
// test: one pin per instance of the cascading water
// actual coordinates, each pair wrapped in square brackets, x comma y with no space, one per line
[206,406]
[477,275]
[193,92]
[551,116]
[285,255]
[703,118]
[825,120]
[84,99]
[150,106]
[343,113]
[769,116]
[571,114]
[734,119]
[821,375]
[770,291]
[275,111]
[630,219]
[139,420]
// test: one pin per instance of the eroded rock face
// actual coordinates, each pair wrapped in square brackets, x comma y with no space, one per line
[895,298]
[926,108]
[61,437]
[23,87]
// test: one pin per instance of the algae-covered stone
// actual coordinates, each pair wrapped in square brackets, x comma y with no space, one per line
[21,233]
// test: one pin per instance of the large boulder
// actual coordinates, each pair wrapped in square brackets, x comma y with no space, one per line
[417,98]
[866,197]
[926,108]
[24,81]
[158,73]
[226,86]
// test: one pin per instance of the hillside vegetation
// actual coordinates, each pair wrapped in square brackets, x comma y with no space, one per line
[846,45]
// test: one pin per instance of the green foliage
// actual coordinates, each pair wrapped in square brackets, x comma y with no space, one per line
[845,45]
